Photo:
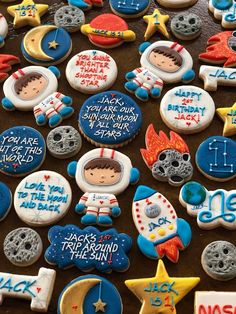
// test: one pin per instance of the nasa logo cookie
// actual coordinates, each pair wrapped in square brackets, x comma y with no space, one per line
[3,30]
[70,18]
[224,10]
[186,26]
[130,8]
[5,200]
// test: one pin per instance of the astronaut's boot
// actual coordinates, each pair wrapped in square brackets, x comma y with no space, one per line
[41,119]
[89,219]
[131,86]
[104,220]
[66,112]
[142,94]
[54,120]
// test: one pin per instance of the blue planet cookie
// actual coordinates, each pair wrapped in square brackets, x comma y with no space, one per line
[5,200]
[130,8]
[89,295]
[88,249]
[110,119]
[22,151]
[216,158]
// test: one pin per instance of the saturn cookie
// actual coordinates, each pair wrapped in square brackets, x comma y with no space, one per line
[70,18]
[186,26]
[5,200]
[3,30]
[85,4]
[130,8]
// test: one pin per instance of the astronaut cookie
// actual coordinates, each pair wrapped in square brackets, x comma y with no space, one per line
[224,10]
[22,151]
[5,200]
[70,18]
[186,26]
[168,159]
[34,88]
[130,8]
[91,71]
[219,260]
[102,174]
[3,30]
[161,61]
[23,247]
[176,4]
[110,119]
[6,63]
[187,109]
[42,198]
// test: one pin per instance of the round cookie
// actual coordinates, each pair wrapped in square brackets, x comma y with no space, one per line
[130,8]
[110,119]
[176,4]
[186,26]
[3,29]
[91,71]
[187,109]
[70,18]
[219,260]
[23,247]
[64,142]
[22,151]
[5,200]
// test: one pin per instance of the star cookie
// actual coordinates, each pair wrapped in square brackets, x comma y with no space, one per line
[156,23]
[228,115]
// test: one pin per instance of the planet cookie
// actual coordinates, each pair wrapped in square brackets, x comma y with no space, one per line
[5,200]
[130,8]
[70,18]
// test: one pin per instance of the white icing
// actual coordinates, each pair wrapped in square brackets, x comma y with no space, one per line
[42,198]
[3,28]
[176,3]
[221,15]
[187,109]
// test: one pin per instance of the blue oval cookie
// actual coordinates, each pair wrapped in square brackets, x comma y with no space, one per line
[130,8]
[110,119]
[5,200]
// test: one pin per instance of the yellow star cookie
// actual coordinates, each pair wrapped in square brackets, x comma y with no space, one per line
[156,22]
[161,293]
[228,115]
[27,13]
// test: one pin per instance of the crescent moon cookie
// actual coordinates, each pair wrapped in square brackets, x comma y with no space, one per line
[187,109]
[42,198]
[108,31]
[27,13]
[5,200]
[90,294]
[225,11]
[176,4]
[22,151]
[91,71]
[6,62]
[130,8]
[116,119]
[70,18]
[186,26]
[3,30]
[156,23]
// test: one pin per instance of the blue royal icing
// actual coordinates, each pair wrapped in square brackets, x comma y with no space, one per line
[110,118]
[222,4]
[130,7]
[88,248]
[5,200]
[22,150]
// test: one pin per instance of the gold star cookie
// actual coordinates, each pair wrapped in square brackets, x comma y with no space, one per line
[228,115]
[156,22]
[27,13]
[161,293]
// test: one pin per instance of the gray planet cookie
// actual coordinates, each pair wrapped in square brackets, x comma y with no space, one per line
[70,18]
[219,260]
[64,142]
[186,26]
[23,246]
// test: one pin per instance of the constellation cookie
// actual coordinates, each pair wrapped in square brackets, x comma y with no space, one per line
[42,198]
[213,209]
[110,119]
[5,200]
[176,4]
[85,4]
[70,18]
[228,115]
[101,174]
[3,30]
[216,158]
[6,62]
[187,109]
[219,260]
[64,142]
[161,293]
[38,289]
[161,61]
[46,45]
[221,49]
[156,22]
[91,71]
[186,26]
[168,159]
[130,8]
[23,247]
[161,232]
[34,88]
[225,11]
[108,31]
[22,151]
[97,294]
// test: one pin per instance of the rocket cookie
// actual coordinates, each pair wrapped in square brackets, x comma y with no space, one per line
[130,8]
[176,4]
[6,62]
[3,29]
[224,10]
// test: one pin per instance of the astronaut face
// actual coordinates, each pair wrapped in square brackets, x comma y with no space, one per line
[165,59]
[98,176]
[32,87]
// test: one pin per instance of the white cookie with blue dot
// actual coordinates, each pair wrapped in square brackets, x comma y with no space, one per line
[225,11]
[3,30]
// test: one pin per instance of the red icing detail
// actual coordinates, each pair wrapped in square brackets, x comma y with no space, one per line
[6,61]
[159,196]
[75,307]
[164,201]
[113,154]
[140,221]
[51,102]
[202,309]
[168,206]
[15,166]
[171,211]
[170,248]
[142,228]
[216,309]
[137,210]
[46,177]
[102,152]
[173,217]
[113,95]
[101,202]
[38,289]
[96,3]
[137,204]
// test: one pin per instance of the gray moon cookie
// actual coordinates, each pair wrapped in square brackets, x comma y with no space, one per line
[23,246]
[64,142]
[70,18]
[219,260]
[186,26]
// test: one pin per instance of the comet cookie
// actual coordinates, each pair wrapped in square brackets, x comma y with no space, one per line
[97,294]
[102,174]
[5,200]
[156,22]
[186,26]
[225,11]
[85,4]
[70,18]
[3,30]
[130,8]
[108,31]
[176,4]
[6,62]
[227,115]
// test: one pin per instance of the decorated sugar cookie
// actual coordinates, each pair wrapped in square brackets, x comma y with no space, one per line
[168,159]
[225,11]
[34,88]
[221,49]
[70,18]
[97,295]
[108,31]
[130,8]
[85,4]
[186,26]
[228,115]
[38,289]
[5,200]
[176,4]
[156,22]
[91,71]
[161,293]
[216,158]
[101,174]
[46,45]
[161,61]
[6,62]
[3,30]
[187,109]
[161,232]
[88,249]
[213,209]
[110,119]
[212,301]
[42,198]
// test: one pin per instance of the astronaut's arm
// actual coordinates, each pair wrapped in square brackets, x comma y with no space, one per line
[81,206]
[63,98]
[7,104]
[188,76]
[157,88]
[131,75]
[115,209]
